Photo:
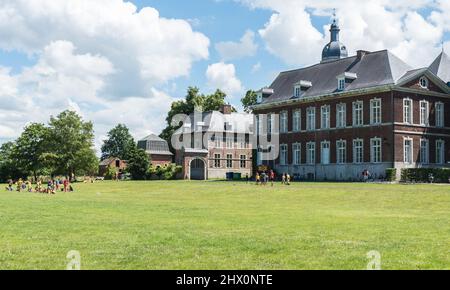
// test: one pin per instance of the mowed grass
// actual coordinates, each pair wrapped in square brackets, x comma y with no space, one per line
[220,225]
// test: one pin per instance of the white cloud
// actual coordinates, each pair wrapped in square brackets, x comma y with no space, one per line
[223,76]
[145,48]
[370,25]
[235,50]
[256,67]
[101,58]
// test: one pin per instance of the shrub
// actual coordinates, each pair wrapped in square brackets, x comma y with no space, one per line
[441,175]
[391,174]
[110,173]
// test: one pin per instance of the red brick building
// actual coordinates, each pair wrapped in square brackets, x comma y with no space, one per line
[370,112]
[115,163]
[224,145]
[157,150]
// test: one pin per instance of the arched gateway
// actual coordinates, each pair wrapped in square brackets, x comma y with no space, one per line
[198,169]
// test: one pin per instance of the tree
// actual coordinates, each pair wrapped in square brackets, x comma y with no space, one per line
[8,166]
[119,143]
[249,100]
[72,143]
[30,147]
[138,164]
[187,106]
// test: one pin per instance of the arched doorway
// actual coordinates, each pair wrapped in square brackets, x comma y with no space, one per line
[198,169]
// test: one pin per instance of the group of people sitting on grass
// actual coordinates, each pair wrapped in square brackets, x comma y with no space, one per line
[52,186]
[264,178]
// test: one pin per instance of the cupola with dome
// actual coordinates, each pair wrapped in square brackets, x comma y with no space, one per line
[334,50]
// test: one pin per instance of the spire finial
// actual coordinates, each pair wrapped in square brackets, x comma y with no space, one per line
[334,16]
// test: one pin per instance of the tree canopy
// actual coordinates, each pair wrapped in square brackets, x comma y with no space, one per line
[249,100]
[119,144]
[193,99]
[63,147]
[138,164]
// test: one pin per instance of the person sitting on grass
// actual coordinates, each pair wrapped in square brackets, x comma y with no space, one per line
[258,178]
[29,186]
[19,185]
[10,185]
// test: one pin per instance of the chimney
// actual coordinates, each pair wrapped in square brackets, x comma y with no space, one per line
[226,109]
[361,53]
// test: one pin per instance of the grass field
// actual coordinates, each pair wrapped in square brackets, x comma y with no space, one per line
[218,225]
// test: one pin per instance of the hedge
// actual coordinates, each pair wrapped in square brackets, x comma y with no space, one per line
[391,174]
[441,175]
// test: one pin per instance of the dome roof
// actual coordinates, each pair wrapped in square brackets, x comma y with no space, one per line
[334,50]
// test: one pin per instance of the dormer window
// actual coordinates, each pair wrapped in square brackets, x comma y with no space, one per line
[423,82]
[341,84]
[300,87]
[344,78]
[259,97]
[297,91]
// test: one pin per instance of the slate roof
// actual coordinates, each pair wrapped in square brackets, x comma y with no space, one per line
[154,145]
[373,69]
[215,122]
[441,67]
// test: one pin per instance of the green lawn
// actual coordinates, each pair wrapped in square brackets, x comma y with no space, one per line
[218,225]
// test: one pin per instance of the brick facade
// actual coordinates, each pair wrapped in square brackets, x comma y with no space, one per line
[391,131]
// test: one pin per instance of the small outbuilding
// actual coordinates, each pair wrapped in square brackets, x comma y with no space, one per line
[157,150]
[112,162]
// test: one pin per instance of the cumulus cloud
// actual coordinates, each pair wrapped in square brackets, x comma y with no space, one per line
[235,50]
[372,25]
[102,58]
[223,76]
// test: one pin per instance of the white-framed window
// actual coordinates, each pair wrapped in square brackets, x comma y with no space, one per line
[229,160]
[325,117]
[297,121]
[407,111]
[439,114]
[311,119]
[230,142]
[243,162]
[408,150]
[217,160]
[424,151]
[375,150]
[311,153]
[297,91]
[358,113]
[375,111]
[284,154]
[423,83]
[325,152]
[242,143]
[440,151]
[284,122]
[341,84]
[358,151]
[341,115]
[297,153]
[424,113]
[218,142]
[341,151]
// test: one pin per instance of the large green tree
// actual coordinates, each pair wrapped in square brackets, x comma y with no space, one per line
[138,164]
[30,147]
[194,99]
[9,167]
[72,144]
[119,144]
[249,100]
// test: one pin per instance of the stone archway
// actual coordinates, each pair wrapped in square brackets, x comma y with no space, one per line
[197,169]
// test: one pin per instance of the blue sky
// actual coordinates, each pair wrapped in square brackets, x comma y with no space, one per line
[114,61]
